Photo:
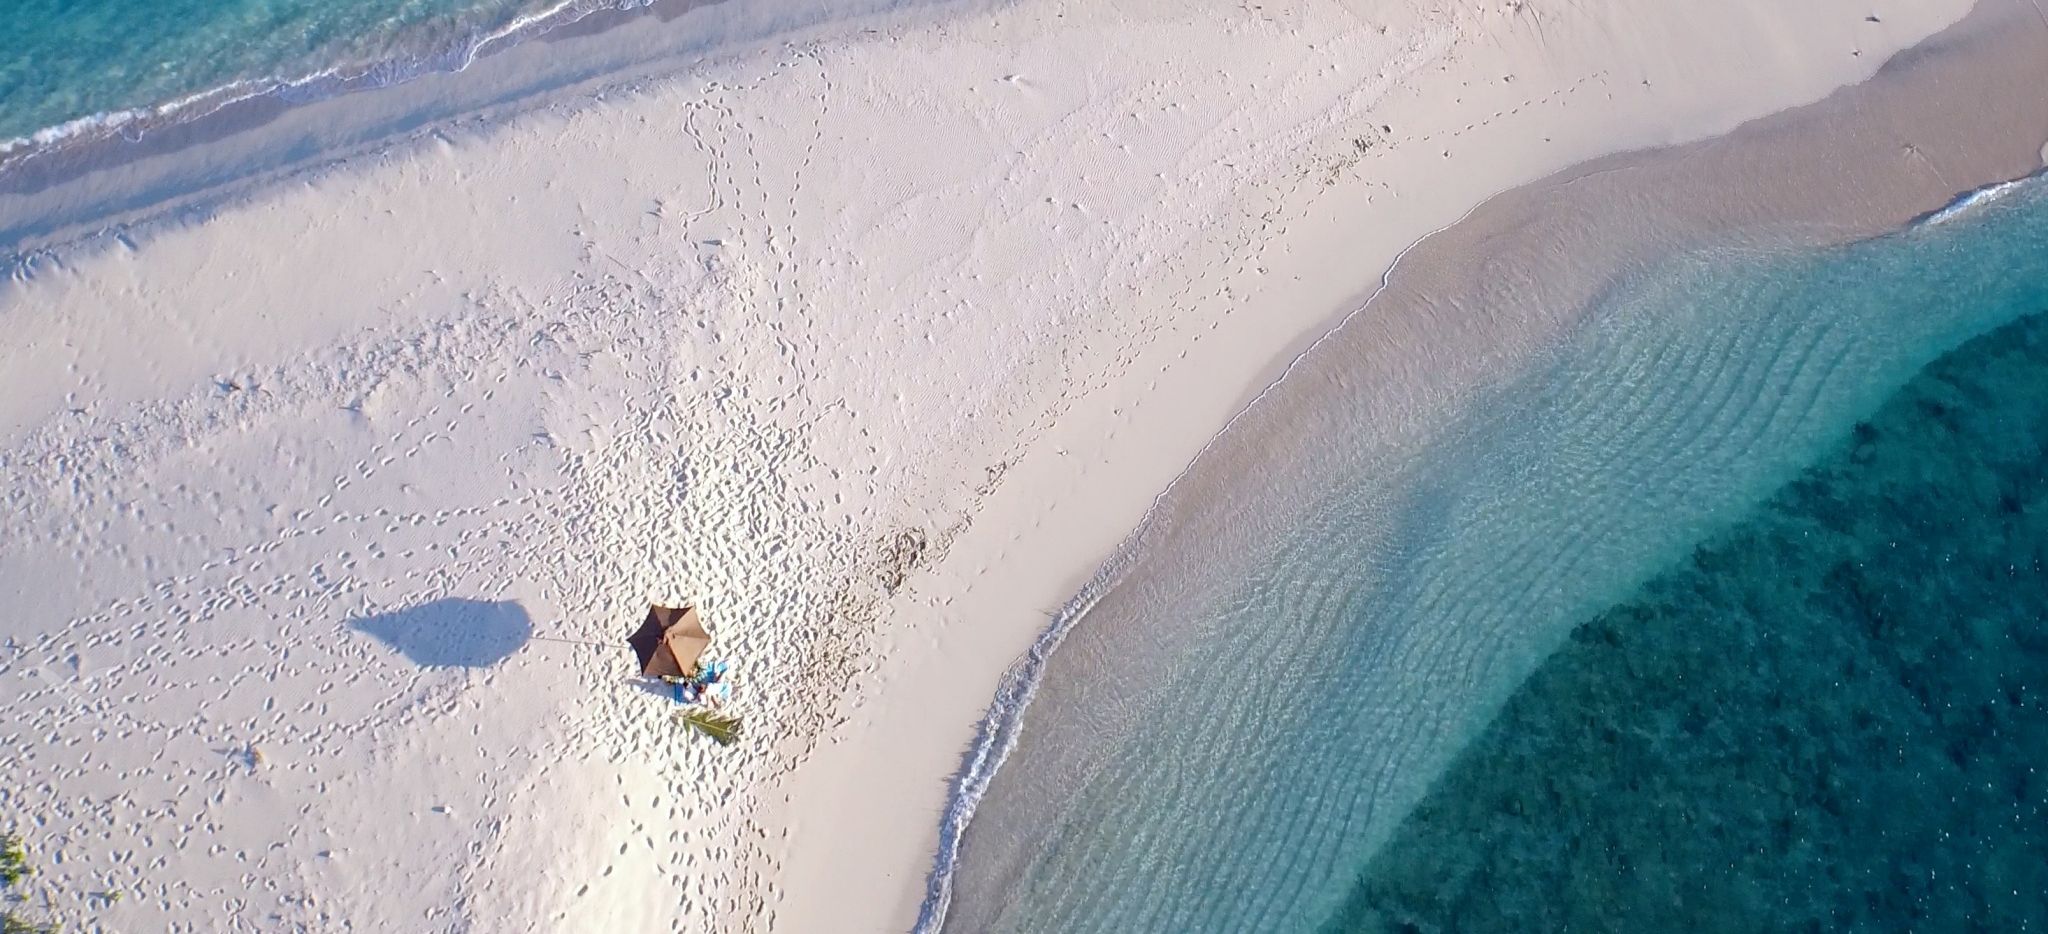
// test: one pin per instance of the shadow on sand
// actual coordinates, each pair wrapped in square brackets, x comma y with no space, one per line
[452,633]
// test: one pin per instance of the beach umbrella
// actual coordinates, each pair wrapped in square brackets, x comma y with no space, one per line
[669,642]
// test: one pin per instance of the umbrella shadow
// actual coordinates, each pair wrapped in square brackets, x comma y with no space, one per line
[654,686]
[452,632]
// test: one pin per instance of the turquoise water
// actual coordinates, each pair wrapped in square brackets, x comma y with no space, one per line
[68,60]
[1833,717]
[1245,753]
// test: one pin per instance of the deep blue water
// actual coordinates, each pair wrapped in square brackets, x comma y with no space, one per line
[1832,717]
[1387,722]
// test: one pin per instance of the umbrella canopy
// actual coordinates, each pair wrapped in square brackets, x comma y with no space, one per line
[669,643]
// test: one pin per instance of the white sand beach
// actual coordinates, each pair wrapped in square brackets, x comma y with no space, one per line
[331,499]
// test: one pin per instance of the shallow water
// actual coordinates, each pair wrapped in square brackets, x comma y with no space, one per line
[1226,754]
[1833,717]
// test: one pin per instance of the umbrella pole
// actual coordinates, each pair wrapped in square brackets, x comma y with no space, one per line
[600,645]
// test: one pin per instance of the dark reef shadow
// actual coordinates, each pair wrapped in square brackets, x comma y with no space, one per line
[452,633]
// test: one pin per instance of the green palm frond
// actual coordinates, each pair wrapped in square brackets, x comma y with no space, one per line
[13,860]
[11,923]
[14,868]
[724,728]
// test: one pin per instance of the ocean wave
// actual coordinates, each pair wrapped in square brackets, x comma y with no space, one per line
[993,740]
[445,57]
[1974,199]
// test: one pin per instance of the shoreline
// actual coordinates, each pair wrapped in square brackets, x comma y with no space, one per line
[1107,266]
[58,199]
[336,79]
[1830,182]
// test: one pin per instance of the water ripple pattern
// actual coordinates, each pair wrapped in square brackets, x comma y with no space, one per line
[1219,746]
